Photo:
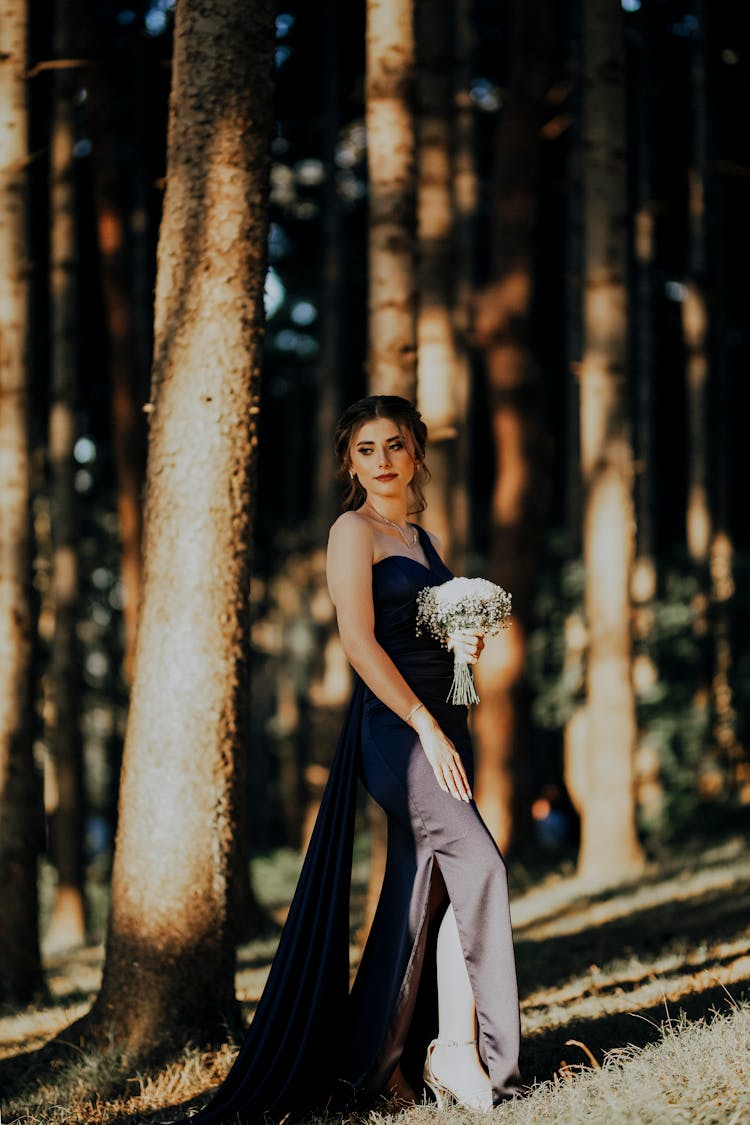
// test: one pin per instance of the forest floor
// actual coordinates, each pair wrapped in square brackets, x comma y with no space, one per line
[635,1006]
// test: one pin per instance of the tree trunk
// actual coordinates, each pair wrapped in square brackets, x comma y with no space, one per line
[503,327]
[609,845]
[169,967]
[20,805]
[390,160]
[442,395]
[67,818]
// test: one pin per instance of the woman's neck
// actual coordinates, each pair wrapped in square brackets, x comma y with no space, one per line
[393,509]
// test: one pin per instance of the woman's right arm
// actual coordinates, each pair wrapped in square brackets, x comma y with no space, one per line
[349,573]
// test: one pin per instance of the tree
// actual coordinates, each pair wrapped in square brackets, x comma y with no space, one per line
[68,923]
[20,805]
[609,844]
[390,160]
[502,329]
[169,965]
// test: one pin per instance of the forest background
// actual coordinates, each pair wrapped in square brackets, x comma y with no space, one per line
[526,217]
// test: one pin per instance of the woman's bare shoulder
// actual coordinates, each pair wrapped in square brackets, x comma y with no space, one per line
[351,531]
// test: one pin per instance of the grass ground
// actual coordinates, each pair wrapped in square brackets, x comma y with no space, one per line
[635,1007]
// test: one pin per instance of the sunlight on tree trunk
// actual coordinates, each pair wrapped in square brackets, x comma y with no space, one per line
[390,160]
[63,733]
[519,497]
[20,803]
[169,967]
[609,845]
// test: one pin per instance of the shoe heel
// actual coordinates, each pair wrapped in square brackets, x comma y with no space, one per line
[437,1091]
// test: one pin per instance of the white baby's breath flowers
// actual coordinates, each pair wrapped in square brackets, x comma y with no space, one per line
[462,603]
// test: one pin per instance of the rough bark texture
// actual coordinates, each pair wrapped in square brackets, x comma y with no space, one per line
[442,382]
[169,968]
[20,804]
[609,845]
[63,732]
[390,160]
[503,326]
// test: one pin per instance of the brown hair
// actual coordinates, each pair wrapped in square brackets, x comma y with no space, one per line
[412,428]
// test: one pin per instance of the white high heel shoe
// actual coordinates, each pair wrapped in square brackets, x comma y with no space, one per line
[479,1100]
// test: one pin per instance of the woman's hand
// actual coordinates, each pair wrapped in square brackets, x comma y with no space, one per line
[467,644]
[443,757]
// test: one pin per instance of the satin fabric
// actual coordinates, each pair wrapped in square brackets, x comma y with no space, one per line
[312,1043]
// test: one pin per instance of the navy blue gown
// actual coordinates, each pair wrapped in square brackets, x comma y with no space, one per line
[314,1043]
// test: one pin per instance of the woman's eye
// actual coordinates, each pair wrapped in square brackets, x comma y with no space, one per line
[397,445]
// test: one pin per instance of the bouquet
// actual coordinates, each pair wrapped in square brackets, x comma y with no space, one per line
[462,603]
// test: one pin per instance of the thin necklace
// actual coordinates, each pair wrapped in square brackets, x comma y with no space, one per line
[410,541]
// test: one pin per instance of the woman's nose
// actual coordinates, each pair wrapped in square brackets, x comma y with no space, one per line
[384,458]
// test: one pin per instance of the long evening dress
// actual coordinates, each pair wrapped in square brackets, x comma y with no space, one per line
[314,1043]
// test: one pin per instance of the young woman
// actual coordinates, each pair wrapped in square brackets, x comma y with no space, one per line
[439,956]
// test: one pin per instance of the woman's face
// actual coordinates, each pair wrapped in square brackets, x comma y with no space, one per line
[381,459]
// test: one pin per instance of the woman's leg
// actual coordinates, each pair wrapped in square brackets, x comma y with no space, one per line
[459,1067]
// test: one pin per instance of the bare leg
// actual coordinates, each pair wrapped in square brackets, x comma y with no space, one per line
[459,1067]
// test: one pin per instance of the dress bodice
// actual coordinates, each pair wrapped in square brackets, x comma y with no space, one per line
[396,580]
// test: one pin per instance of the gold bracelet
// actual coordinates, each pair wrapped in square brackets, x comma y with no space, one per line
[413,712]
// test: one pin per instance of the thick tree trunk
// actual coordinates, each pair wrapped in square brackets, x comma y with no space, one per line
[169,967]
[20,803]
[519,497]
[609,845]
[390,160]
[66,819]
[442,396]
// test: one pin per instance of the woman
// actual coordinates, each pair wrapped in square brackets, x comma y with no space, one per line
[439,955]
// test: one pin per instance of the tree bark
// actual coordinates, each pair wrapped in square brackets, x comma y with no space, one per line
[503,326]
[390,160]
[610,850]
[64,737]
[169,966]
[20,804]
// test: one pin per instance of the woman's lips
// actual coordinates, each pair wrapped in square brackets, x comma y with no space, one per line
[387,476]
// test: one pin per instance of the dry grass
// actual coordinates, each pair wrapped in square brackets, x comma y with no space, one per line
[632,1009]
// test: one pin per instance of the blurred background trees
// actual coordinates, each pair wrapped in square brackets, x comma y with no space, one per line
[541,243]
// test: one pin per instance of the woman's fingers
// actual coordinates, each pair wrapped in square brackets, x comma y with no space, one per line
[467,644]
